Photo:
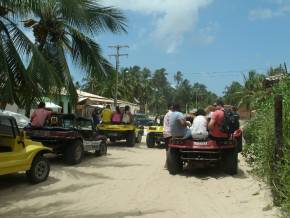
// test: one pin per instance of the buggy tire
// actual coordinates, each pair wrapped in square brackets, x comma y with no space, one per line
[239,144]
[150,141]
[174,162]
[74,152]
[131,139]
[231,162]
[103,149]
[39,170]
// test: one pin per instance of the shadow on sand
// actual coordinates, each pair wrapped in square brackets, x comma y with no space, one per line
[205,173]
[76,214]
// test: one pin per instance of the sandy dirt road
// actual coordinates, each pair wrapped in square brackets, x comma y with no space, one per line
[132,182]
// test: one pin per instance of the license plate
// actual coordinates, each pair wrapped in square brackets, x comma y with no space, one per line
[200,143]
[112,134]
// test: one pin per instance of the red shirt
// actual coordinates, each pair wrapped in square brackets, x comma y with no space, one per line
[39,116]
[218,117]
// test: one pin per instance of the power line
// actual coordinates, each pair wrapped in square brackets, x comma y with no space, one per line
[228,71]
[117,56]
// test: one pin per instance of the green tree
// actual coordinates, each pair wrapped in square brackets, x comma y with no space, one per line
[178,78]
[253,89]
[14,44]
[232,93]
[162,92]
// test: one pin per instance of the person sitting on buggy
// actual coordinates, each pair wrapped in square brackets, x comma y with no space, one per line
[127,116]
[217,118]
[178,124]
[199,125]
[40,115]
[117,116]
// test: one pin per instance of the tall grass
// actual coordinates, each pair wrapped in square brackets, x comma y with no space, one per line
[260,144]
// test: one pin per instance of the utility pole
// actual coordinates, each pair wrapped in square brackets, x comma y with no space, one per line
[117,56]
[285,66]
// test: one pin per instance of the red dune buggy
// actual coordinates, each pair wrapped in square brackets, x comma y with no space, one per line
[223,152]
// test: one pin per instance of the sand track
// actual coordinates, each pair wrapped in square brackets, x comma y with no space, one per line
[131,182]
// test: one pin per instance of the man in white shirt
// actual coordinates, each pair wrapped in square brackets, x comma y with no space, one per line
[166,123]
[166,129]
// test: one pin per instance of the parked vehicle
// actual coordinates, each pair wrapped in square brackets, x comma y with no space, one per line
[17,153]
[21,120]
[70,136]
[142,120]
[129,132]
[224,152]
[154,136]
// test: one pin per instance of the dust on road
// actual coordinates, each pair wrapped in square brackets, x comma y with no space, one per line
[132,182]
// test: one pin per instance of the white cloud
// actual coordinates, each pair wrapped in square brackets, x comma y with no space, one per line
[282,8]
[261,14]
[206,35]
[172,18]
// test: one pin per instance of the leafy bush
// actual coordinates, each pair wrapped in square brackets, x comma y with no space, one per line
[260,144]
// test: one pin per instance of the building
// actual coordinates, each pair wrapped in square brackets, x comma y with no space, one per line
[87,102]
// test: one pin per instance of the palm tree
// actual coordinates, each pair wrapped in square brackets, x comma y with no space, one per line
[253,89]
[178,77]
[65,28]
[14,44]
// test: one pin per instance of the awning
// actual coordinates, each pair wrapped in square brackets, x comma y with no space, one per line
[52,105]
[97,105]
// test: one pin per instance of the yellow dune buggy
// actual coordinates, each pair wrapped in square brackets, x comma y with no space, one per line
[17,153]
[154,136]
[130,132]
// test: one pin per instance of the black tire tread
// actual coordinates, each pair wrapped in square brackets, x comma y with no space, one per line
[174,163]
[69,153]
[30,173]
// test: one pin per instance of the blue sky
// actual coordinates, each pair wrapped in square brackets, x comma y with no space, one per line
[210,41]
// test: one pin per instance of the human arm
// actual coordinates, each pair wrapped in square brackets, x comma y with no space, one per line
[182,121]
[211,123]
[33,115]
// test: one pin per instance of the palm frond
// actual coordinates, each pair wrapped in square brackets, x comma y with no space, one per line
[87,53]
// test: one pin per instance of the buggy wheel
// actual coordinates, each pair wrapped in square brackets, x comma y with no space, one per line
[39,170]
[74,152]
[150,141]
[174,162]
[103,149]
[239,144]
[231,162]
[131,139]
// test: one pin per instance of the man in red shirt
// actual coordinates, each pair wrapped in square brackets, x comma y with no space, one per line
[39,116]
[217,118]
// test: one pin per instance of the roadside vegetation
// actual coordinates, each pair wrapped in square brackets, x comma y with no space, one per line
[259,132]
